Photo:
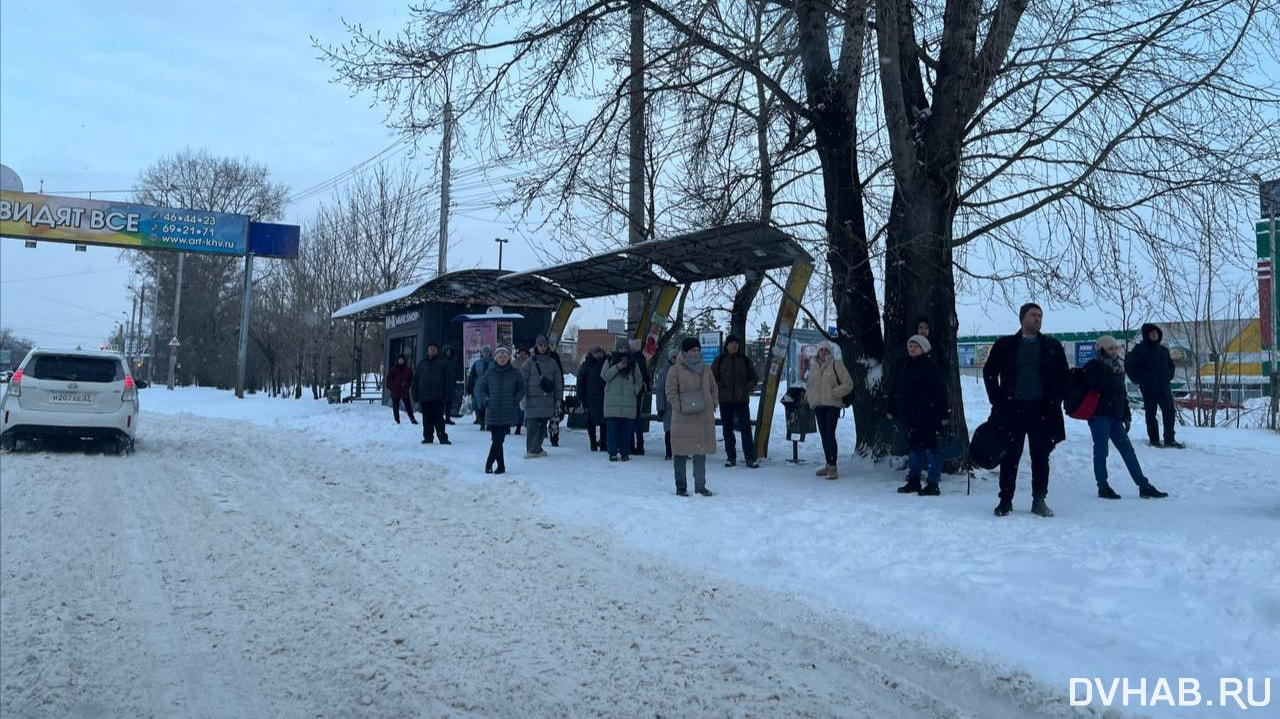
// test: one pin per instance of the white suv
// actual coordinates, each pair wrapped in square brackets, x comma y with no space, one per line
[81,394]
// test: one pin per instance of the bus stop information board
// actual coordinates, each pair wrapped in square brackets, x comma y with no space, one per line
[119,224]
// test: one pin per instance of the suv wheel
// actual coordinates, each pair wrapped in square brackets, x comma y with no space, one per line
[8,443]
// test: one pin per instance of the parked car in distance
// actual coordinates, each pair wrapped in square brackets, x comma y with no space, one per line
[5,375]
[1196,401]
[77,394]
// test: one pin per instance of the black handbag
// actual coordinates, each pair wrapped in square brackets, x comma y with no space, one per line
[544,382]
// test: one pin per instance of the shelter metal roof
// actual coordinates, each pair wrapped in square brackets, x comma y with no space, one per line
[696,256]
[692,257]
[473,287]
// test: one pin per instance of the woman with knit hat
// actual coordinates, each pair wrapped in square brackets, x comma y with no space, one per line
[920,402]
[501,388]
[692,393]
[828,384]
[1110,422]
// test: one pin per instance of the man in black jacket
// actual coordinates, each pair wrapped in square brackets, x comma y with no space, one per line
[1151,368]
[431,382]
[1026,376]
[735,378]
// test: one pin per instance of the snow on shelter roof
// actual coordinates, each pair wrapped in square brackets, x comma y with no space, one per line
[479,287]
[708,254]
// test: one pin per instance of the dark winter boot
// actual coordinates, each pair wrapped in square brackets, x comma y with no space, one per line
[911,487]
[1149,491]
[930,490]
[1174,444]
[1039,508]
[591,436]
[638,449]
[1106,492]
[1004,508]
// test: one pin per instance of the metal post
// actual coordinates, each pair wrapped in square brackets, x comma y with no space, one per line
[446,141]
[177,308]
[1275,324]
[133,311]
[242,356]
[501,242]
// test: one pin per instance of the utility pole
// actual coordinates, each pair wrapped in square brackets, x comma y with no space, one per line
[635,155]
[242,352]
[444,189]
[137,328]
[501,241]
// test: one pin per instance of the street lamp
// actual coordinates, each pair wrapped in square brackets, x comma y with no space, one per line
[501,241]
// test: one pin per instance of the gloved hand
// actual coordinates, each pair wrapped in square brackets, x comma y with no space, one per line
[1128,422]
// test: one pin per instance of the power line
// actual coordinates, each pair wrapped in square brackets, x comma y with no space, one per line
[325,185]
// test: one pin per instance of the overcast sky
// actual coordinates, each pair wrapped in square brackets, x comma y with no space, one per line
[91,93]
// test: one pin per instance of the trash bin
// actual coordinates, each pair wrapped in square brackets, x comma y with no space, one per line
[800,418]
[334,395]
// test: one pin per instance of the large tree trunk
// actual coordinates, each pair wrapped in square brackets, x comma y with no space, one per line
[920,281]
[742,301]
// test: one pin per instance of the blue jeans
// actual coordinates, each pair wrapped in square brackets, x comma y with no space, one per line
[617,432]
[916,460]
[1107,431]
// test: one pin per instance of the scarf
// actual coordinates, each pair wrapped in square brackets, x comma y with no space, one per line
[1114,364]
[693,363]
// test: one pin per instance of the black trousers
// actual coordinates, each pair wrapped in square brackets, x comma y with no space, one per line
[737,414]
[1026,421]
[828,418]
[1161,400]
[433,420]
[592,427]
[408,408]
[497,435]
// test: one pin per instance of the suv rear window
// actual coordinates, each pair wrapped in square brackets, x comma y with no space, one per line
[75,369]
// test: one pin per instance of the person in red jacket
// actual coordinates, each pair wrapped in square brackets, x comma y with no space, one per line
[399,382]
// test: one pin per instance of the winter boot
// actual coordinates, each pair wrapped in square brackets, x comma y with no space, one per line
[1004,508]
[705,492]
[614,458]
[1149,491]
[1174,444]
[1038,507]
[832,473]
[930,490]
[731,462]
[1106,492]
[826,469]
[911,487]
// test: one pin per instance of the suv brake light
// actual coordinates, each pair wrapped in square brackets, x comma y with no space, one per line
[15,384]
[130,391]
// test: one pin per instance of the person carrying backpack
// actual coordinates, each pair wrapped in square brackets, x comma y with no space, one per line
[1110,422]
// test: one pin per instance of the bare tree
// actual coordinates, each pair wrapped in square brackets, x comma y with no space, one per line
[194,179]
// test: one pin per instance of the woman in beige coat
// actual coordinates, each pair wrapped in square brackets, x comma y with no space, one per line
[691,392]
[829,383]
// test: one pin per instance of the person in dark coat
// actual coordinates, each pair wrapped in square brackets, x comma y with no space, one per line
[639,363]
[455,371]
[501,388]
[920,403]
[400,386]
[664,407]
[478,368]
[735,378]
[1150,367]
[591,395]
[924,328]
[430,384]
[1110,422]
[1026,377]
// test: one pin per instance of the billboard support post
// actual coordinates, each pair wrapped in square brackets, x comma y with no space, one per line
[177,309]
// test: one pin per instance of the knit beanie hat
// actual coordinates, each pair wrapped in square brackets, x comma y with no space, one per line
[920,340]
[671,353]
[541,341]
[1106,342]
[689,343]
[1022,311]
[502,351]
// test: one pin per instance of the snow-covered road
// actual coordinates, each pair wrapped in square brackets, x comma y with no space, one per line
[227,571]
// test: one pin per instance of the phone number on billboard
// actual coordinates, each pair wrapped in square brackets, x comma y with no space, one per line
[186,231]
[193,219]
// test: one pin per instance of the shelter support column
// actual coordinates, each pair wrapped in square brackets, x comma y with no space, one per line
[787,311]
[559,321]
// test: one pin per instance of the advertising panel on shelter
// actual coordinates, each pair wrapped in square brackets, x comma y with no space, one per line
[120,224]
